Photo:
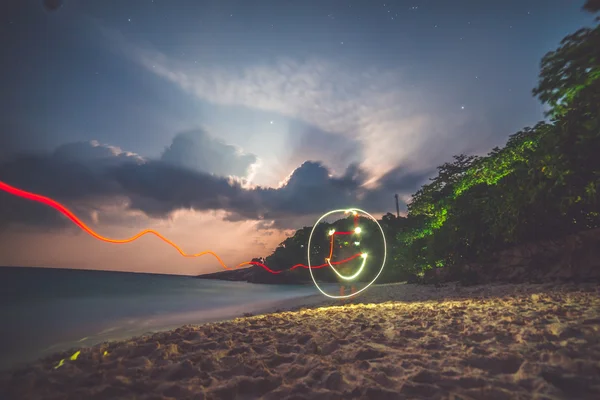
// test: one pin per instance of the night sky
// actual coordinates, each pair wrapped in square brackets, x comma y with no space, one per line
[226,124]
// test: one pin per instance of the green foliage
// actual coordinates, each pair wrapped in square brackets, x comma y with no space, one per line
[573,67]
[543,183]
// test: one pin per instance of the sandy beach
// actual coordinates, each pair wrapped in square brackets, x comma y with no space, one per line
[396,341]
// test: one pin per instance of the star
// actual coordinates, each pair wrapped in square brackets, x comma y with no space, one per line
[129,19]
[462,107]
[271,122]
[341,42]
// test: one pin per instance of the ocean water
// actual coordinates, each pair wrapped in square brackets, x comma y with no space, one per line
[45,310]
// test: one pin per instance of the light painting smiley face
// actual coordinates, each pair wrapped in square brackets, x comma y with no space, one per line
[356,233]
[364,256]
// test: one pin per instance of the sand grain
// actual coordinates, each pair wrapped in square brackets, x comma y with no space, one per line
[488,342]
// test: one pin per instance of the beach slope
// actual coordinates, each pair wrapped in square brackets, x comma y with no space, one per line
[396,342]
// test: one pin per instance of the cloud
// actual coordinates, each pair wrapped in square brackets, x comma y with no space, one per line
[92,178]
[311,189]
[400,180]
[198,151]
[335,149]
[341,114]
[390,117]
[74,172]
[157,189]
[93,154]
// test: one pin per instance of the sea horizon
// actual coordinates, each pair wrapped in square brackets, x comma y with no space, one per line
[47,309]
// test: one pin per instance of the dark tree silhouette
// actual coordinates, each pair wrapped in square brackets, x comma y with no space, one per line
[592,6]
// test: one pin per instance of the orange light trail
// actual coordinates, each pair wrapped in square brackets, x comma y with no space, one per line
[67,213]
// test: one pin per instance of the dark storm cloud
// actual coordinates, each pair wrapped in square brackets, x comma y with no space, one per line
[94,155]
[74,172]
[81,174]
[157,189]
[310,189]
[198,151]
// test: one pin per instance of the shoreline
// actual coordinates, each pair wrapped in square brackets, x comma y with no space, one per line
[147,325]
[393,341]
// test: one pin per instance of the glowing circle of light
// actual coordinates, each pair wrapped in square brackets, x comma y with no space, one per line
[353,210]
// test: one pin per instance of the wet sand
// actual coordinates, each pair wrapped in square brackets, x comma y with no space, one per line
[394,342]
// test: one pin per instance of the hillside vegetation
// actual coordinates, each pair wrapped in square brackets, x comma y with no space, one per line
[542,185]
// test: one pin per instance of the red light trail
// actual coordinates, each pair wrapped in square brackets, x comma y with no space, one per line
[67,213]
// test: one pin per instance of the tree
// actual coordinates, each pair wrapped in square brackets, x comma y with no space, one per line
[543,183]
[574,66]
[592,6]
